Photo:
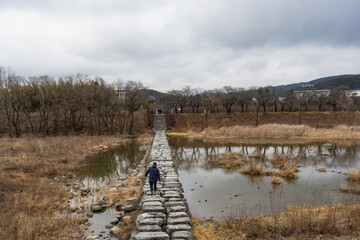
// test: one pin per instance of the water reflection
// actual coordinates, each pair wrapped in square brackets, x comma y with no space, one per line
[114,163]
[192,153]
[100,170]
[220,193]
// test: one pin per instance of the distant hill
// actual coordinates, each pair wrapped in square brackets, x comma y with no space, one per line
[158,95]
[344,81]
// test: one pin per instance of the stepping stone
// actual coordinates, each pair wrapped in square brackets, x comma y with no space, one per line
[150,215]
[178,227]
[174,203]
[153,198]
[171,195]
[153,221]
[175,199]
[181,220]
[149,228]
[171,184]
[171,179]
[153,209]
[187,235]
[146,204]
[176,209]
[177,215]
[176,189]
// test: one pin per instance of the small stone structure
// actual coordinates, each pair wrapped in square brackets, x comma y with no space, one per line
[159,125]
[165,214]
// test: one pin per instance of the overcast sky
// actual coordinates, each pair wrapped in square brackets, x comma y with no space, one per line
[168,44]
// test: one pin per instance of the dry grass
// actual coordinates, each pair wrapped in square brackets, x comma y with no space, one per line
[203,229]
[316,119]
[279,161]
[353,185]
[332,222]
[283,131]
[229,160]
[256,155]
[276,181]
[126,225]
[254,169]
[288,171]
[176,134]
[354,176]
[131,188]
[29,193]
[350,188]
[321,170]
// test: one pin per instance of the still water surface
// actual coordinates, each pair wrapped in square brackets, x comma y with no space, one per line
[102,169]
[222,193]
[114,163]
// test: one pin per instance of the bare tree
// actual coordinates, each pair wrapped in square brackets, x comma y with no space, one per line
[320,100]
[211,100]
[334,98]
[290,100]
[263,97]
[228,96]
[134,97]
[12,96]
[73,100]
[283,103]
[195,99]
[349,101]
[258,105]
[274,100]
[43,99]
[177,99]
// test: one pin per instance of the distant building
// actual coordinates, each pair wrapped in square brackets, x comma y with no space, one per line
[307,85]
[312,93]
[352,93]
[121,93]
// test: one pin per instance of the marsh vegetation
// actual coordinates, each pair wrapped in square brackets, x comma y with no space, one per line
[268,190]
[33,174]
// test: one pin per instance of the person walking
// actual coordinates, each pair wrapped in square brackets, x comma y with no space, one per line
[153,177]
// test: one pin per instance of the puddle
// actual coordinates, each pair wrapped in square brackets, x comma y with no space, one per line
[225,193]
[101,170]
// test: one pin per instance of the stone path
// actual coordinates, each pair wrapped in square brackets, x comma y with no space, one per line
[163,215]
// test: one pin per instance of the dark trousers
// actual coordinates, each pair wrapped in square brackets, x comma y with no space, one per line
[153,186]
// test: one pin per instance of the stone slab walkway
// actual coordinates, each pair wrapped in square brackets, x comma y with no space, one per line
[163,215]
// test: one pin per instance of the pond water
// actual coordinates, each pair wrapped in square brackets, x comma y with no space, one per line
[114,163]
[226,193]
[100,170]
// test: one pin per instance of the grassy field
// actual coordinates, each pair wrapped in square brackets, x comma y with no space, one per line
[332,222]
[33,172]
[197,122]
[276,131]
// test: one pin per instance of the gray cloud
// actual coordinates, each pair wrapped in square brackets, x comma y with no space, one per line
[169,44]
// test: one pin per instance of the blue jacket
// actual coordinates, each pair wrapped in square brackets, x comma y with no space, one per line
[154,174]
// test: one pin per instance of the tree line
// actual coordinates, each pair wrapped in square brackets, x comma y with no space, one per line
[258,99]
[45,105]
[69,104]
